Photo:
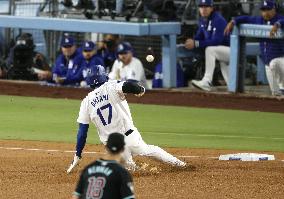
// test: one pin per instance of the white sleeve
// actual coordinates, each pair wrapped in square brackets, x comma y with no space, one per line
[114,71]
[118,87]
[116,90]
[140,71]
[84,117]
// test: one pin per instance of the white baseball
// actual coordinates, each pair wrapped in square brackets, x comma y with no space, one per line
[83,84]
[150,58]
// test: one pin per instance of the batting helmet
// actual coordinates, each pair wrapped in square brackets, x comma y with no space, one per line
[96,76]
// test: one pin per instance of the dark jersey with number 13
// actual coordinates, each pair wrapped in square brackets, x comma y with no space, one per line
[105,179]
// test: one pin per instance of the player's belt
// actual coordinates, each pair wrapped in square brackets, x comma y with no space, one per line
[128,132]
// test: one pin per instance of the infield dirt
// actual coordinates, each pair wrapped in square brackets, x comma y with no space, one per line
[42,174]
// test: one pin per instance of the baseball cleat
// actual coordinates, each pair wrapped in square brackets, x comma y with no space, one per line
[180,163]
[202,84]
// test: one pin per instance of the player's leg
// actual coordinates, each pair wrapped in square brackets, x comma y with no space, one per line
[280,73]
[139,147]
[127,156]
[160,154]
[212,53]
[210,63]
[271,74]
[225,71]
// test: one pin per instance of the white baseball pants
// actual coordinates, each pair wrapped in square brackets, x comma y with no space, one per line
[135,145]
[221,54]
[275,74]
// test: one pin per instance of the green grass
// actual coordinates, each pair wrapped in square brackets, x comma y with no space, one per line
[28,118]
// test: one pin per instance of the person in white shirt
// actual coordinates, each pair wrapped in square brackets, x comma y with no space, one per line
[127,67]
[108,109]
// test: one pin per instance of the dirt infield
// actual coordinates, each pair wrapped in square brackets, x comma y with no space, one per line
[41,174]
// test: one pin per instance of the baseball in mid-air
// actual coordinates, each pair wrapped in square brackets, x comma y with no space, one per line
[150,58]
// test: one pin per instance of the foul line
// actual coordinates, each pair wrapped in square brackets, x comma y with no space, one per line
[86,152]
[47,150]
[93,152]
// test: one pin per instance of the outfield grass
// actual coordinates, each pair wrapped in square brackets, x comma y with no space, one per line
[28,118]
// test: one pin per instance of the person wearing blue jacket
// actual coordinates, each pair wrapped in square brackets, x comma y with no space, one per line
[272,50]
[90,59]
[68,63]
[210,32]
[210,29]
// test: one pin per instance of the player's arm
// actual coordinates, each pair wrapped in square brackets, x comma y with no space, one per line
[199,35]
[83,121]
[279,24]
[133,87]
[217,37]
[241,20]
[126,186]
[81,141]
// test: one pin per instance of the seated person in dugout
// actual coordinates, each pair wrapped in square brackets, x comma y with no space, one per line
[90,58]
[68,63]
[272,50]
[24,62]
[126,66]
[210,33]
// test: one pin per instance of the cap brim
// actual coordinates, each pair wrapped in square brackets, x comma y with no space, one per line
[88,49]
[266,8]
[205,5]
[67,45]
[123,52]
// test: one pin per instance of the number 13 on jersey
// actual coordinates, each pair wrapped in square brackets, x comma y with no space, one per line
[103,109]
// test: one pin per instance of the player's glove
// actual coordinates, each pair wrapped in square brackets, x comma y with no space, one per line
[141,93]
[74,163]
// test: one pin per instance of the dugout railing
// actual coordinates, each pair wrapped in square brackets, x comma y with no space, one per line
[238,52]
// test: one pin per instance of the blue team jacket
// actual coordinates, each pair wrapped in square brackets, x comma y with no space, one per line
[269,48]
[68,69]
[87,64]
[211,31]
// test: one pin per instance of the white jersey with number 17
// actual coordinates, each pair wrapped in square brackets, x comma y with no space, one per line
[108,109]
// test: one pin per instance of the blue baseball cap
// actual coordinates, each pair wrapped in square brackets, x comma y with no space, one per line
[208,3]
[268,5]
[67,41]
[124,47]
[89,46]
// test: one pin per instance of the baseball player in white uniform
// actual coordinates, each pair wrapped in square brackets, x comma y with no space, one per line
[127,67]
[213,53]
[108,109]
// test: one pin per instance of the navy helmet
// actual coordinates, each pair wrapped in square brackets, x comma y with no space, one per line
[96,76]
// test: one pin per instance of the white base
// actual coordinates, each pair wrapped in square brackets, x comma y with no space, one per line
[247,157]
